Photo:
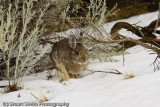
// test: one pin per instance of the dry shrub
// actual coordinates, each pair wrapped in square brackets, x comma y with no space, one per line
[18,43]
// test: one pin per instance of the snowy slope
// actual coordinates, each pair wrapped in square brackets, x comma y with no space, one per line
[99,89]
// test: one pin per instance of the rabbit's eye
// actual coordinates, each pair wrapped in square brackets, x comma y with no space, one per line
[76,53]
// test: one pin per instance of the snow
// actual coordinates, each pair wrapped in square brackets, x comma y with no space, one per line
[98,89]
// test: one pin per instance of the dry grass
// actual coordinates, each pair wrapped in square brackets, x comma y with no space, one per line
[43,97]
[129,76]
[12,87]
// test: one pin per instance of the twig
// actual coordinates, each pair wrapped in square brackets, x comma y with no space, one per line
[92,71]
[4,86]
[156,63]
[138,42]
[35,96]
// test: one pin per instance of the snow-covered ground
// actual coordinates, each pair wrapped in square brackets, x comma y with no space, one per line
[98,89]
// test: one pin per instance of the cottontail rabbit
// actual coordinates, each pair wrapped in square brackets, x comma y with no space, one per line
[71,54]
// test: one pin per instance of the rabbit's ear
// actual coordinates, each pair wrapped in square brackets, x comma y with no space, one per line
[80,37]
[72,41]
